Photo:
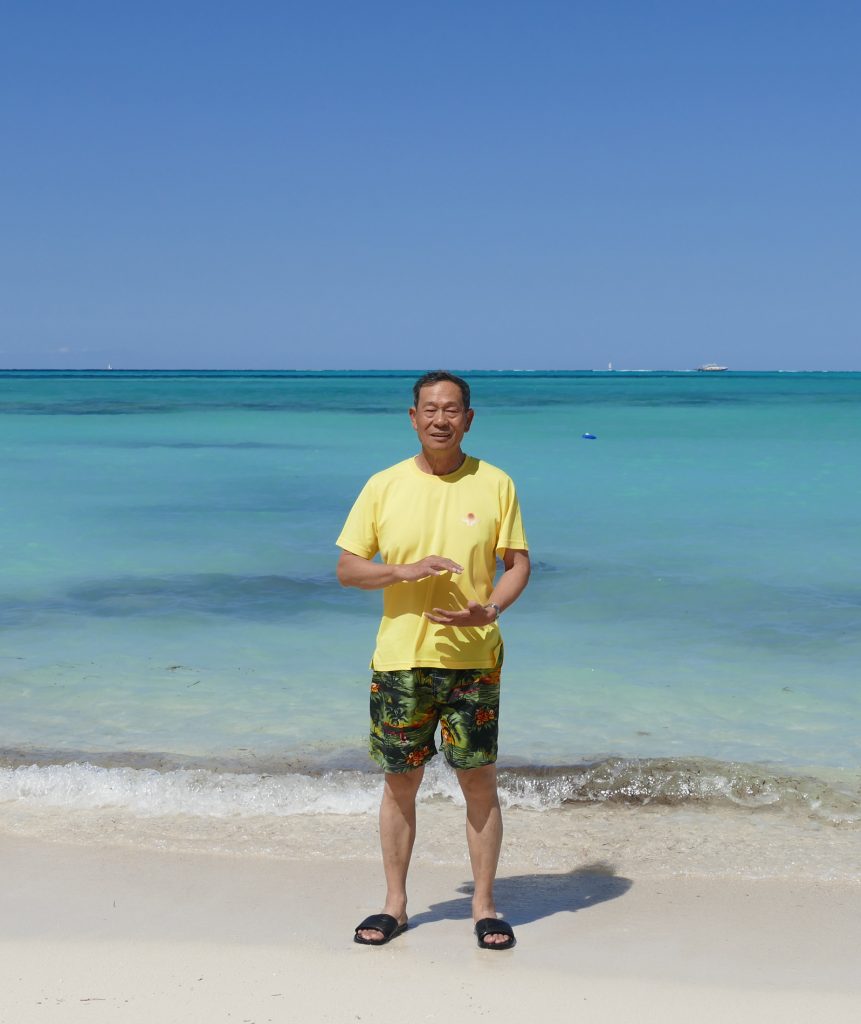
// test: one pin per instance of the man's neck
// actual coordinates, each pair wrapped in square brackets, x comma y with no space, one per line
[439,463]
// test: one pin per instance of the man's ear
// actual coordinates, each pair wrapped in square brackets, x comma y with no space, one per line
[469,414]
[413,418]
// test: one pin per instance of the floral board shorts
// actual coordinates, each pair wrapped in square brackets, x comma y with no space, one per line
[406,707]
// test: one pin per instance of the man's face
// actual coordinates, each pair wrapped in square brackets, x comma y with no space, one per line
[440,419]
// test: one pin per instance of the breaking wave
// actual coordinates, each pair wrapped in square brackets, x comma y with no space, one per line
[214,793]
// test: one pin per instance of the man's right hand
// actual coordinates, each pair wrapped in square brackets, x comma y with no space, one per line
[364,573]
[432,565]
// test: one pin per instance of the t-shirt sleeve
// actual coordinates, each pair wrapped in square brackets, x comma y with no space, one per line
[359,535]
[511,532]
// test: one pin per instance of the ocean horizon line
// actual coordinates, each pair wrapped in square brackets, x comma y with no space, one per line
[405,371]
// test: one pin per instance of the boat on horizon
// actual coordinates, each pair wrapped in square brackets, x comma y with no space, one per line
[711,368]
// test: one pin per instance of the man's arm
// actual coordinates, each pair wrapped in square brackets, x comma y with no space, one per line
[355,571]
[509,587]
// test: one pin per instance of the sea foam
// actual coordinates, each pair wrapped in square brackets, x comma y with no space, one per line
[202,792]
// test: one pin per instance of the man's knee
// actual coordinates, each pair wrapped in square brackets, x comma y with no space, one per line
[478,783]
[403,785]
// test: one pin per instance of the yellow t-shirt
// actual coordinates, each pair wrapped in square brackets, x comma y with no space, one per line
[469,516]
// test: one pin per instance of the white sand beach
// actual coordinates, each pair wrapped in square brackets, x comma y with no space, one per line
[97,933]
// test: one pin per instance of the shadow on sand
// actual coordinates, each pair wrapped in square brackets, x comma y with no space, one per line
[526,898]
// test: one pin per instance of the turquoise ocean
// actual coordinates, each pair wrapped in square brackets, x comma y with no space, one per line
[173,639]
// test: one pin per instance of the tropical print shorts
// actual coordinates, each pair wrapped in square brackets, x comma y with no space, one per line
[407,706]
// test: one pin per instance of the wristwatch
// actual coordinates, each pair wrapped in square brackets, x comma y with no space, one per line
[495,607]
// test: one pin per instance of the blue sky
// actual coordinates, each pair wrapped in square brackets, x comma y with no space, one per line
[477,185]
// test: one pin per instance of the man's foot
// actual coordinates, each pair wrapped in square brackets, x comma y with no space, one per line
[378,929]
[494,933]
[484,913]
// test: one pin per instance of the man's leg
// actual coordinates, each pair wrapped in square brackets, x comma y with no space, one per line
[397,835]
[484,838]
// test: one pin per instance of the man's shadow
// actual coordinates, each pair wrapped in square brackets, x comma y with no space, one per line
[526,898]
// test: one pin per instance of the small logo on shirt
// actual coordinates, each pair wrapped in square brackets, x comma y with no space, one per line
[471,519]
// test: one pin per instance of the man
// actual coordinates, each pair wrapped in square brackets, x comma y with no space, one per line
[438,522]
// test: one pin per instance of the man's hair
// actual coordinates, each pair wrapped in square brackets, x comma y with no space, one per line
[435,377]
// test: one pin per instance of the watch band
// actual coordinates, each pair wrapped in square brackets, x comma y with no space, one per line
[496,608]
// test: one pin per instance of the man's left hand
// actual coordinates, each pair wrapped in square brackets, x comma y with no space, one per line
[474,614]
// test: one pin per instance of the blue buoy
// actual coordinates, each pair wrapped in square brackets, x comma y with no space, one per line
[590,437]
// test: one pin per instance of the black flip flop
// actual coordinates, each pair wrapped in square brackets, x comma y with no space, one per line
[492,926]
[384,923]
